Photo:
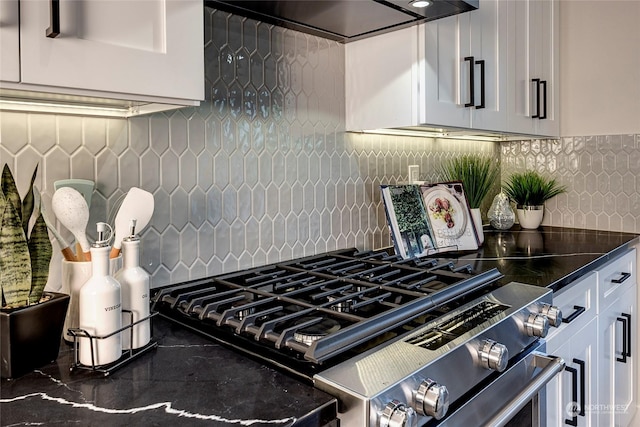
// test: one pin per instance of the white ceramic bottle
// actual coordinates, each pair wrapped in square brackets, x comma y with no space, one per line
[134,282]
[100,308]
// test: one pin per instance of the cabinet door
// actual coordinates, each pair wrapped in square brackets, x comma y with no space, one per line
[579,354]
[533,54]
[9,41]
[465,58]
[142,47]
[617,361]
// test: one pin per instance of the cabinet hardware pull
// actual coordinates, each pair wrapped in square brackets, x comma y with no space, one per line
[582,384]
[628,316]
[625,332]
[471,102]
[622,278]
[574,395]
[537,82]
[54,19]
[578,311]
[481,63]
[543,84]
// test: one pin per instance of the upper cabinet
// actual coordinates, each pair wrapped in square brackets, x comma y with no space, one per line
[464,78]
[534,67]
[461,72]
[144,50]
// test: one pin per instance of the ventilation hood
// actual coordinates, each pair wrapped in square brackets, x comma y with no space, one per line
[343,20]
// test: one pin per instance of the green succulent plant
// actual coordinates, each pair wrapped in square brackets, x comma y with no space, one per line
[25,254]
[530,188]
[477,173]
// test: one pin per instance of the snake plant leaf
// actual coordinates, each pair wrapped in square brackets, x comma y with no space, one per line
[40,251]
[10,190]
[27,203]
[15,262]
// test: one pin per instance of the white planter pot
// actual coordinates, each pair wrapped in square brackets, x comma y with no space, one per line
[477,223]
[530,217]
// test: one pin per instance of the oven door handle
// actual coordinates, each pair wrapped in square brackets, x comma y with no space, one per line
[551,366]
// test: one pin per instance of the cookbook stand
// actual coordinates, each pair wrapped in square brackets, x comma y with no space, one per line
[127,355]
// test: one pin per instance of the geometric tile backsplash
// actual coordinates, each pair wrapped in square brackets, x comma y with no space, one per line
[263,171]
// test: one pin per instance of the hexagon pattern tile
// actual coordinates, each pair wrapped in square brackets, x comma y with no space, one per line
[262,171]
[600,172]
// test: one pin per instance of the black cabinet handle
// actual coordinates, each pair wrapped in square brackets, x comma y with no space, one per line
[574,396]
[537,82]
[54,19]
[628,316]
[543,84]
[625,335]
[471,102]
[581,363]
[578,311]
[482,91]
[622,278]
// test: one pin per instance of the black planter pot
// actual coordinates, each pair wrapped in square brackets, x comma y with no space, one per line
[30,336]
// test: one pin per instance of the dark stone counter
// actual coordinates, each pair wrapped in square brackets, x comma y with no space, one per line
[549,256]
[192,381]
[188,381]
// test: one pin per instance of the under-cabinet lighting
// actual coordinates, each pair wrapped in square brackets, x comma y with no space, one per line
[62,108]
[438,133]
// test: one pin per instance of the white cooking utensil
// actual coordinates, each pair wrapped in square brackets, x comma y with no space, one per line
[67,253]
[138,204]
[72,211]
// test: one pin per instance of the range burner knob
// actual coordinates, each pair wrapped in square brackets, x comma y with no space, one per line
[397,414]
[536,325]
[552,313]
[493,355]
[432,399]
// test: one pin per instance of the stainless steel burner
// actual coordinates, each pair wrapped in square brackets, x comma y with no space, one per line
[309,334]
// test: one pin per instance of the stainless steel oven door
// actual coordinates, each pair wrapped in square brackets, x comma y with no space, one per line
[515,398]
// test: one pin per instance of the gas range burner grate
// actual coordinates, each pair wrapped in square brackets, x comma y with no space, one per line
[321,306]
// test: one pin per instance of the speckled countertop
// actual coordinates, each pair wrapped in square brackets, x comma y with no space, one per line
[193,381]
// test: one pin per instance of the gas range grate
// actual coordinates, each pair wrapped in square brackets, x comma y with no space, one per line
[318,307]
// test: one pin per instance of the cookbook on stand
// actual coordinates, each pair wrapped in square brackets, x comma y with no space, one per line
[425,219]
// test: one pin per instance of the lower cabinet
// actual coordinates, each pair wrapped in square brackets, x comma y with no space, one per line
[571,396]
[617,363]
[597,341]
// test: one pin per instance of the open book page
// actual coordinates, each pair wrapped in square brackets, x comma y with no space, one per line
[407,220]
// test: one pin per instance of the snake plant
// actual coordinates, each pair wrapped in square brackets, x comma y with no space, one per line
[25,253]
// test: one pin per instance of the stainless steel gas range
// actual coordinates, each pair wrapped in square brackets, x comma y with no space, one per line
[398,342]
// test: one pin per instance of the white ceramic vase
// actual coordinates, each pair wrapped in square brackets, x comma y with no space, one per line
[530,217]
[477,223]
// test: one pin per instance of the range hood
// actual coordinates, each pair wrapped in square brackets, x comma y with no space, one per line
[343,20]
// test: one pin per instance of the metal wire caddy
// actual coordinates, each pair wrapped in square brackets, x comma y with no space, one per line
[127,355]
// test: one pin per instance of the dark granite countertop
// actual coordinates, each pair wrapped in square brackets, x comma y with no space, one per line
[188,381]
[193,381]
[549,256]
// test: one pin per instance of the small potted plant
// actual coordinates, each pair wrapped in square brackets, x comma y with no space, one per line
[529,190]
[478,174]
[31,320]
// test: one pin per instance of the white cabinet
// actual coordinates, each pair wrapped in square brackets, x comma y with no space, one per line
[465,69]
[449,72]
[572,395]
[9,41]
[617,361]
[575,340]
[493,69]
[146,50]
[533,70]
